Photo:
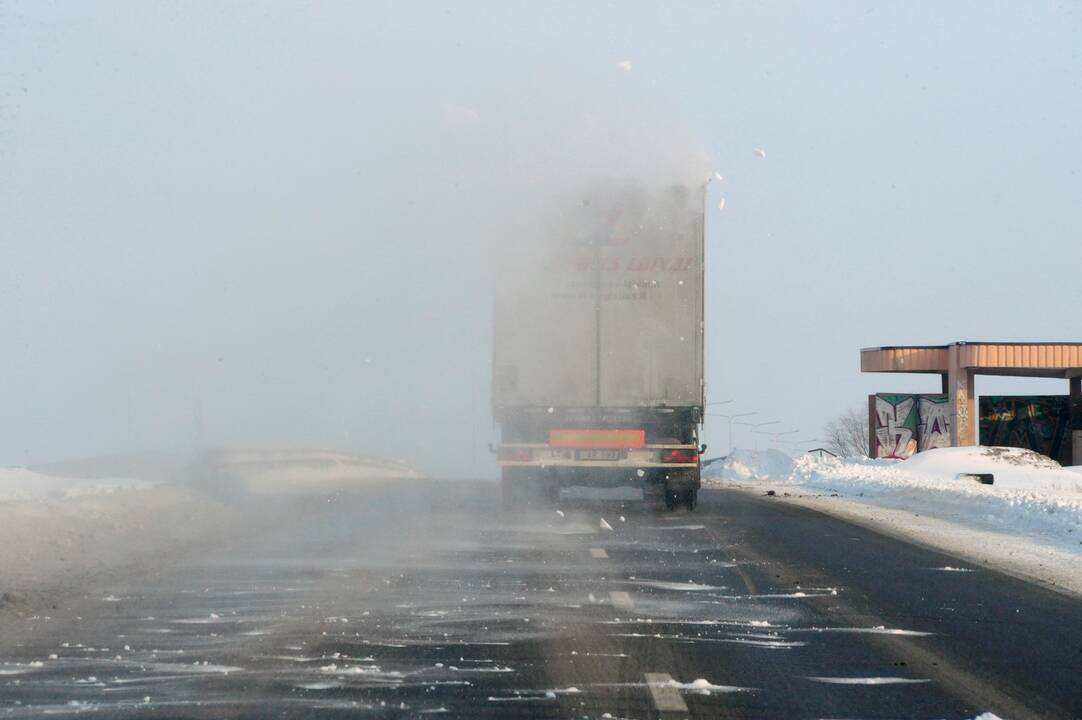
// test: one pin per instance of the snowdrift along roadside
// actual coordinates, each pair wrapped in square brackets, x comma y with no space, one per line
[269,471]
[25,484]
[62,532]
[49,546]
[1032,496]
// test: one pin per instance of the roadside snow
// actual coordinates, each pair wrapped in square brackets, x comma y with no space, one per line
[60,532]
[750,465]
[18,483]
[1034,505]
[49,545]
[1031,495]
[276,472]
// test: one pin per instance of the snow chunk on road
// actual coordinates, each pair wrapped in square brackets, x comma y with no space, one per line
[677,586]
[702,686]
[868,680]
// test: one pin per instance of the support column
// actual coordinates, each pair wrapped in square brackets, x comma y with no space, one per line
[873,423]
[1076,420]
[960,389]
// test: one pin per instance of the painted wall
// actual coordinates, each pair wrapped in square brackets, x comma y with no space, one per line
[1036,422]
[934,416]
[903,424]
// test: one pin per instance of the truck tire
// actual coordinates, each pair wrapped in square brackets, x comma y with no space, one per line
[682,488]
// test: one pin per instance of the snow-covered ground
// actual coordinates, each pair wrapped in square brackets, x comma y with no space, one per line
[63,523]
[23,484]
[1028,521]
[271,472]
[258,471]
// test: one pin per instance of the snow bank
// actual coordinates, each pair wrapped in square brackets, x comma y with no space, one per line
[266,471]
[1031,495]
[18,483]
[51,545]
[750,465]
[59,532]
[1023,480]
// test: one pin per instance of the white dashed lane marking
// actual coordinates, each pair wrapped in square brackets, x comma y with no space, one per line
[621,600]
[598,553]
[666,695]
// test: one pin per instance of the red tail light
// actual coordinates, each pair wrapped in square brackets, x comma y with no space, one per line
[515,454]
[679,456]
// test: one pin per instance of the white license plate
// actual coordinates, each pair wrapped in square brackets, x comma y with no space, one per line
[594,454]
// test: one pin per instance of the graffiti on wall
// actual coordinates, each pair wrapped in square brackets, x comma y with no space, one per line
[895,418]
[903,424]
[1037,422]
[933,428]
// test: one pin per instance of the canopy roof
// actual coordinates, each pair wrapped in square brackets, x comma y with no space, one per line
[1052,359]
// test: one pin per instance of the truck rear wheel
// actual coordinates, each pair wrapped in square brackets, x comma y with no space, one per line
[687,498]
[682,488]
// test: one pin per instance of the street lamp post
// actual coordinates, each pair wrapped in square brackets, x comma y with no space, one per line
[759,425]
[730,418]
[777,435]
[804,441]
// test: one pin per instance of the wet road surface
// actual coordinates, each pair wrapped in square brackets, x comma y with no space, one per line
[427,600]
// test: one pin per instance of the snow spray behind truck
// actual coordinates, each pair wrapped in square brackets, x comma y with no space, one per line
[598,349]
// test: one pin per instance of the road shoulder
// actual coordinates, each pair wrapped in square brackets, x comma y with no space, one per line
[1015,555]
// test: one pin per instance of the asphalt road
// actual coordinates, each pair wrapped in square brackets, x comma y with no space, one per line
[411,602]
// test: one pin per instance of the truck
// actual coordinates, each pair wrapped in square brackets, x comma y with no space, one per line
[598,348]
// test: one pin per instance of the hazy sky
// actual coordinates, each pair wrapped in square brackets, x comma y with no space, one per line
[270,224]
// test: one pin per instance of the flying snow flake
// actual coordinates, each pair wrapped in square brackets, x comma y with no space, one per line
[605,525]
[718,176]
[721,203]
[560,513]
[624,65]
[759,153]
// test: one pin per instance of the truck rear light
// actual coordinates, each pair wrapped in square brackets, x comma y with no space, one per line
[515,454]
[679,456]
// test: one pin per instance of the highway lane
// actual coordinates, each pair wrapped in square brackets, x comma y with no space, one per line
[426,600]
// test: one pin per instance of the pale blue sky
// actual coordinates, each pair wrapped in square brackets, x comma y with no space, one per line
[274,211]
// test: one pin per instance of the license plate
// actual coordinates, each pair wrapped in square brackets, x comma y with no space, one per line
[594,454]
